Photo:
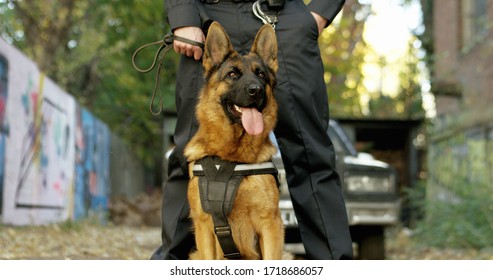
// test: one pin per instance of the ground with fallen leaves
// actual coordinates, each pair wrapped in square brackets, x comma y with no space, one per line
[78,241]
[401,245]
[86,240]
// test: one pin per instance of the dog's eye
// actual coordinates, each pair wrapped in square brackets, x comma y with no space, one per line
[261,75]
[232,74]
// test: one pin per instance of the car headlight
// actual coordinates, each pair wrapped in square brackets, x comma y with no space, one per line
[369,183]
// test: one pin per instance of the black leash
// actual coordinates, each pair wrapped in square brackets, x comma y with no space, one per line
[165,45]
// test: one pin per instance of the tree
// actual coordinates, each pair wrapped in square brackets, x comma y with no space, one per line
[343,50]
[345,53]
[408,103]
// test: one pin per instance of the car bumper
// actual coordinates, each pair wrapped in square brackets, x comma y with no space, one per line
[359,213]
[368,213]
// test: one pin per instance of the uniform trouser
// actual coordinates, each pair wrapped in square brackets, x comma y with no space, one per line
[306,149]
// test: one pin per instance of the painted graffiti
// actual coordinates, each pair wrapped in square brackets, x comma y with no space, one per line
[40,152]
[42,180]
[4,125]
[54,154]
[92,145]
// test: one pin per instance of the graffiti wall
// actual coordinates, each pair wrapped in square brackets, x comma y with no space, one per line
[4,128]
[92,166]
[39,154]
[54,155]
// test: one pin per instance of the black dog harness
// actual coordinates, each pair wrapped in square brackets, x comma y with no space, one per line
[218,182]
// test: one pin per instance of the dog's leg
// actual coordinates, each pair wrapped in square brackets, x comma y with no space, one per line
[219,251]
[271,239]
[205,241]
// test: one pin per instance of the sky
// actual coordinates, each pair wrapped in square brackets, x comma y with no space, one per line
[392,22]
[388,30]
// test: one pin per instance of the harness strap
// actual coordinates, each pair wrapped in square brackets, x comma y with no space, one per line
[244,169]
[216,196]
[218,183]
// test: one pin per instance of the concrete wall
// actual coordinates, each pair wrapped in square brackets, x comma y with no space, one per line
[127,173]
[57,160]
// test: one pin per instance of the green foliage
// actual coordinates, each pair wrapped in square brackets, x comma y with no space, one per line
[408,104]
[345,53]
[343,50]
[461,219]
[70,225]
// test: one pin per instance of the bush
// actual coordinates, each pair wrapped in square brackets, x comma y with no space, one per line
[461,217]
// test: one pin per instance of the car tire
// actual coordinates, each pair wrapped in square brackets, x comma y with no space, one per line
[371,242]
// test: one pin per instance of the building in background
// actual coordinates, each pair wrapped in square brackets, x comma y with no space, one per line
[460,41]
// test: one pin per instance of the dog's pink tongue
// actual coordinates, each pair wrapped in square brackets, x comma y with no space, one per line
[252,121]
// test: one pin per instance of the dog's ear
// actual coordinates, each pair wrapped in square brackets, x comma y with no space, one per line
[265,46]
[217,46]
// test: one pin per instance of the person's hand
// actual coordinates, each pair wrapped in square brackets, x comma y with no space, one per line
[321,22]
[191,33]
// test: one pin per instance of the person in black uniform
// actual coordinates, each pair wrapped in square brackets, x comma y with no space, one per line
[307,151]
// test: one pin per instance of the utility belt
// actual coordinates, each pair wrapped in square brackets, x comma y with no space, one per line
[267,17]
[275,5]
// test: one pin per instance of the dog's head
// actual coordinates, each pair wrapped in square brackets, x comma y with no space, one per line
[242,85]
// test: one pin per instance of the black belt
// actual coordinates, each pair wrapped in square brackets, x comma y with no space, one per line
[274,5]
[217,1]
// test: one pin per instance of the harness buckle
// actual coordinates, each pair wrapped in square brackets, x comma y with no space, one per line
[222,231]
[233,256]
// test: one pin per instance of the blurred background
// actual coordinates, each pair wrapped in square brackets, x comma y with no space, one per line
[82,158]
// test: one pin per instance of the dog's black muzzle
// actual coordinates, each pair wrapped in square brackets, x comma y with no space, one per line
[255,91]
[251,95]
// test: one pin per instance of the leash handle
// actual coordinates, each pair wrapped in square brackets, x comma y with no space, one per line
[188,41]
[165,45]
[167,41]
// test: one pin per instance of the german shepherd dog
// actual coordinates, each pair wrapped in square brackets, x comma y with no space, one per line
[236,112]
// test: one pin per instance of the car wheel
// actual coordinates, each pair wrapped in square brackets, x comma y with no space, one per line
[371,243]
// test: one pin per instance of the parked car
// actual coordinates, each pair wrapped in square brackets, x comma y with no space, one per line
[370,193]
